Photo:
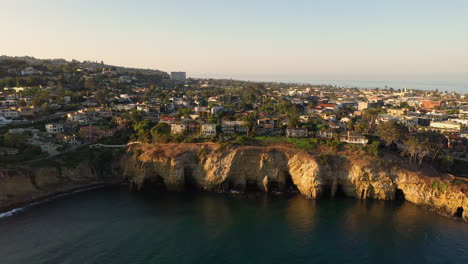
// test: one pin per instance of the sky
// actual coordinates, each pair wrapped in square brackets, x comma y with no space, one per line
[328,40]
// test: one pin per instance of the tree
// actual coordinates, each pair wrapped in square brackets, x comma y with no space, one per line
[184,111]
[161,128]
[14,140]
[391,132]
[91,84]
[416,147]
[101,96]
[293,121]
[373,148]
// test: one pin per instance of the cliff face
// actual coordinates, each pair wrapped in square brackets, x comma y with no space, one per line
[26,183]
[279,169]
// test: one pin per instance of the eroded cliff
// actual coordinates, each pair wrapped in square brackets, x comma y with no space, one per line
[24,183]
[280,169]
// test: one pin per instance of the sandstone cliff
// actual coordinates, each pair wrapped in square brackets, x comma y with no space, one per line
[279,169]
[25,183]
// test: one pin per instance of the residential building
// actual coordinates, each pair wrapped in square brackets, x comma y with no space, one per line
[26,111]
[8,152]
[93,133]
[297,132]
[178,129]
[208,130]
[327,134]
[10,114]
[4,121]
[54,128]
[353,137]
[19,131]
[268,123]
[397,112]
[231,127]
[446,127]
[167,119]
[432,104]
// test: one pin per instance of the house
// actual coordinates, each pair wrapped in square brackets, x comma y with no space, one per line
[29,71]
[432,104]
[327,134]
[26,111]
[8,152]
[231,127]
[167,119]
[20,131]
[104,113]
[353,137]
[446,127]
[178,129]
[397,112]
[78,117]
[208,130]
[330,107]
[4,121]
[54,128]
[193,127]
[93,133]
[297,132]
[216,109]
[268,123]
[10,114]
[71,140]
[367,105]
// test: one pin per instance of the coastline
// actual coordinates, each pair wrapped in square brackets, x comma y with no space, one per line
[240,170]
[13,208]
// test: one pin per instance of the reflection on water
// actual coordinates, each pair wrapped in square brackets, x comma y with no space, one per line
[116,226]
[301,215]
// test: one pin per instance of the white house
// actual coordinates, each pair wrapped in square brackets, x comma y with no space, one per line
[10,114]
[208,130]
[178,129]
[297,132]
[54,128]
[445,126]
[352,137]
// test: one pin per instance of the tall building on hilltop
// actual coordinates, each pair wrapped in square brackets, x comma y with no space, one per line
[178,76]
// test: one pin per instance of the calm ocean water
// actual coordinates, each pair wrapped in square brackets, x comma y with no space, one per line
[117,226]
[442,83]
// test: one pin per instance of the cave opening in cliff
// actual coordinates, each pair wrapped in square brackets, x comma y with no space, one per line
[154,183]
[190,184]
[339,193]
[251,186]
[459,212]
[289,184]
[399,195]
[273,186]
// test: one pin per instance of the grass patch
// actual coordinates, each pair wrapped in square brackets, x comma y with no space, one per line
[301,143]
[441,187]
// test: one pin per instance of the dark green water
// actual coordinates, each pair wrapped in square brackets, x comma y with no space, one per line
[117,226]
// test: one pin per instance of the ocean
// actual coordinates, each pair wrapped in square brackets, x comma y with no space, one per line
[114,225]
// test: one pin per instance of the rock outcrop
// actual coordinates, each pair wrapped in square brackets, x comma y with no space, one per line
[25,183]
[207,167]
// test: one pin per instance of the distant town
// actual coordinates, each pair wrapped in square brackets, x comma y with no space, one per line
[50,107]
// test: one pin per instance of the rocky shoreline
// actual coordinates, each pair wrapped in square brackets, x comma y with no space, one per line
[208,167]
[242,169]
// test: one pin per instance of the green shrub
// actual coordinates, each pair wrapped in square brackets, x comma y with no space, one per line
[443,187]
[435,185]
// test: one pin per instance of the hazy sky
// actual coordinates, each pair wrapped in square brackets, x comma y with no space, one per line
[347,38]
